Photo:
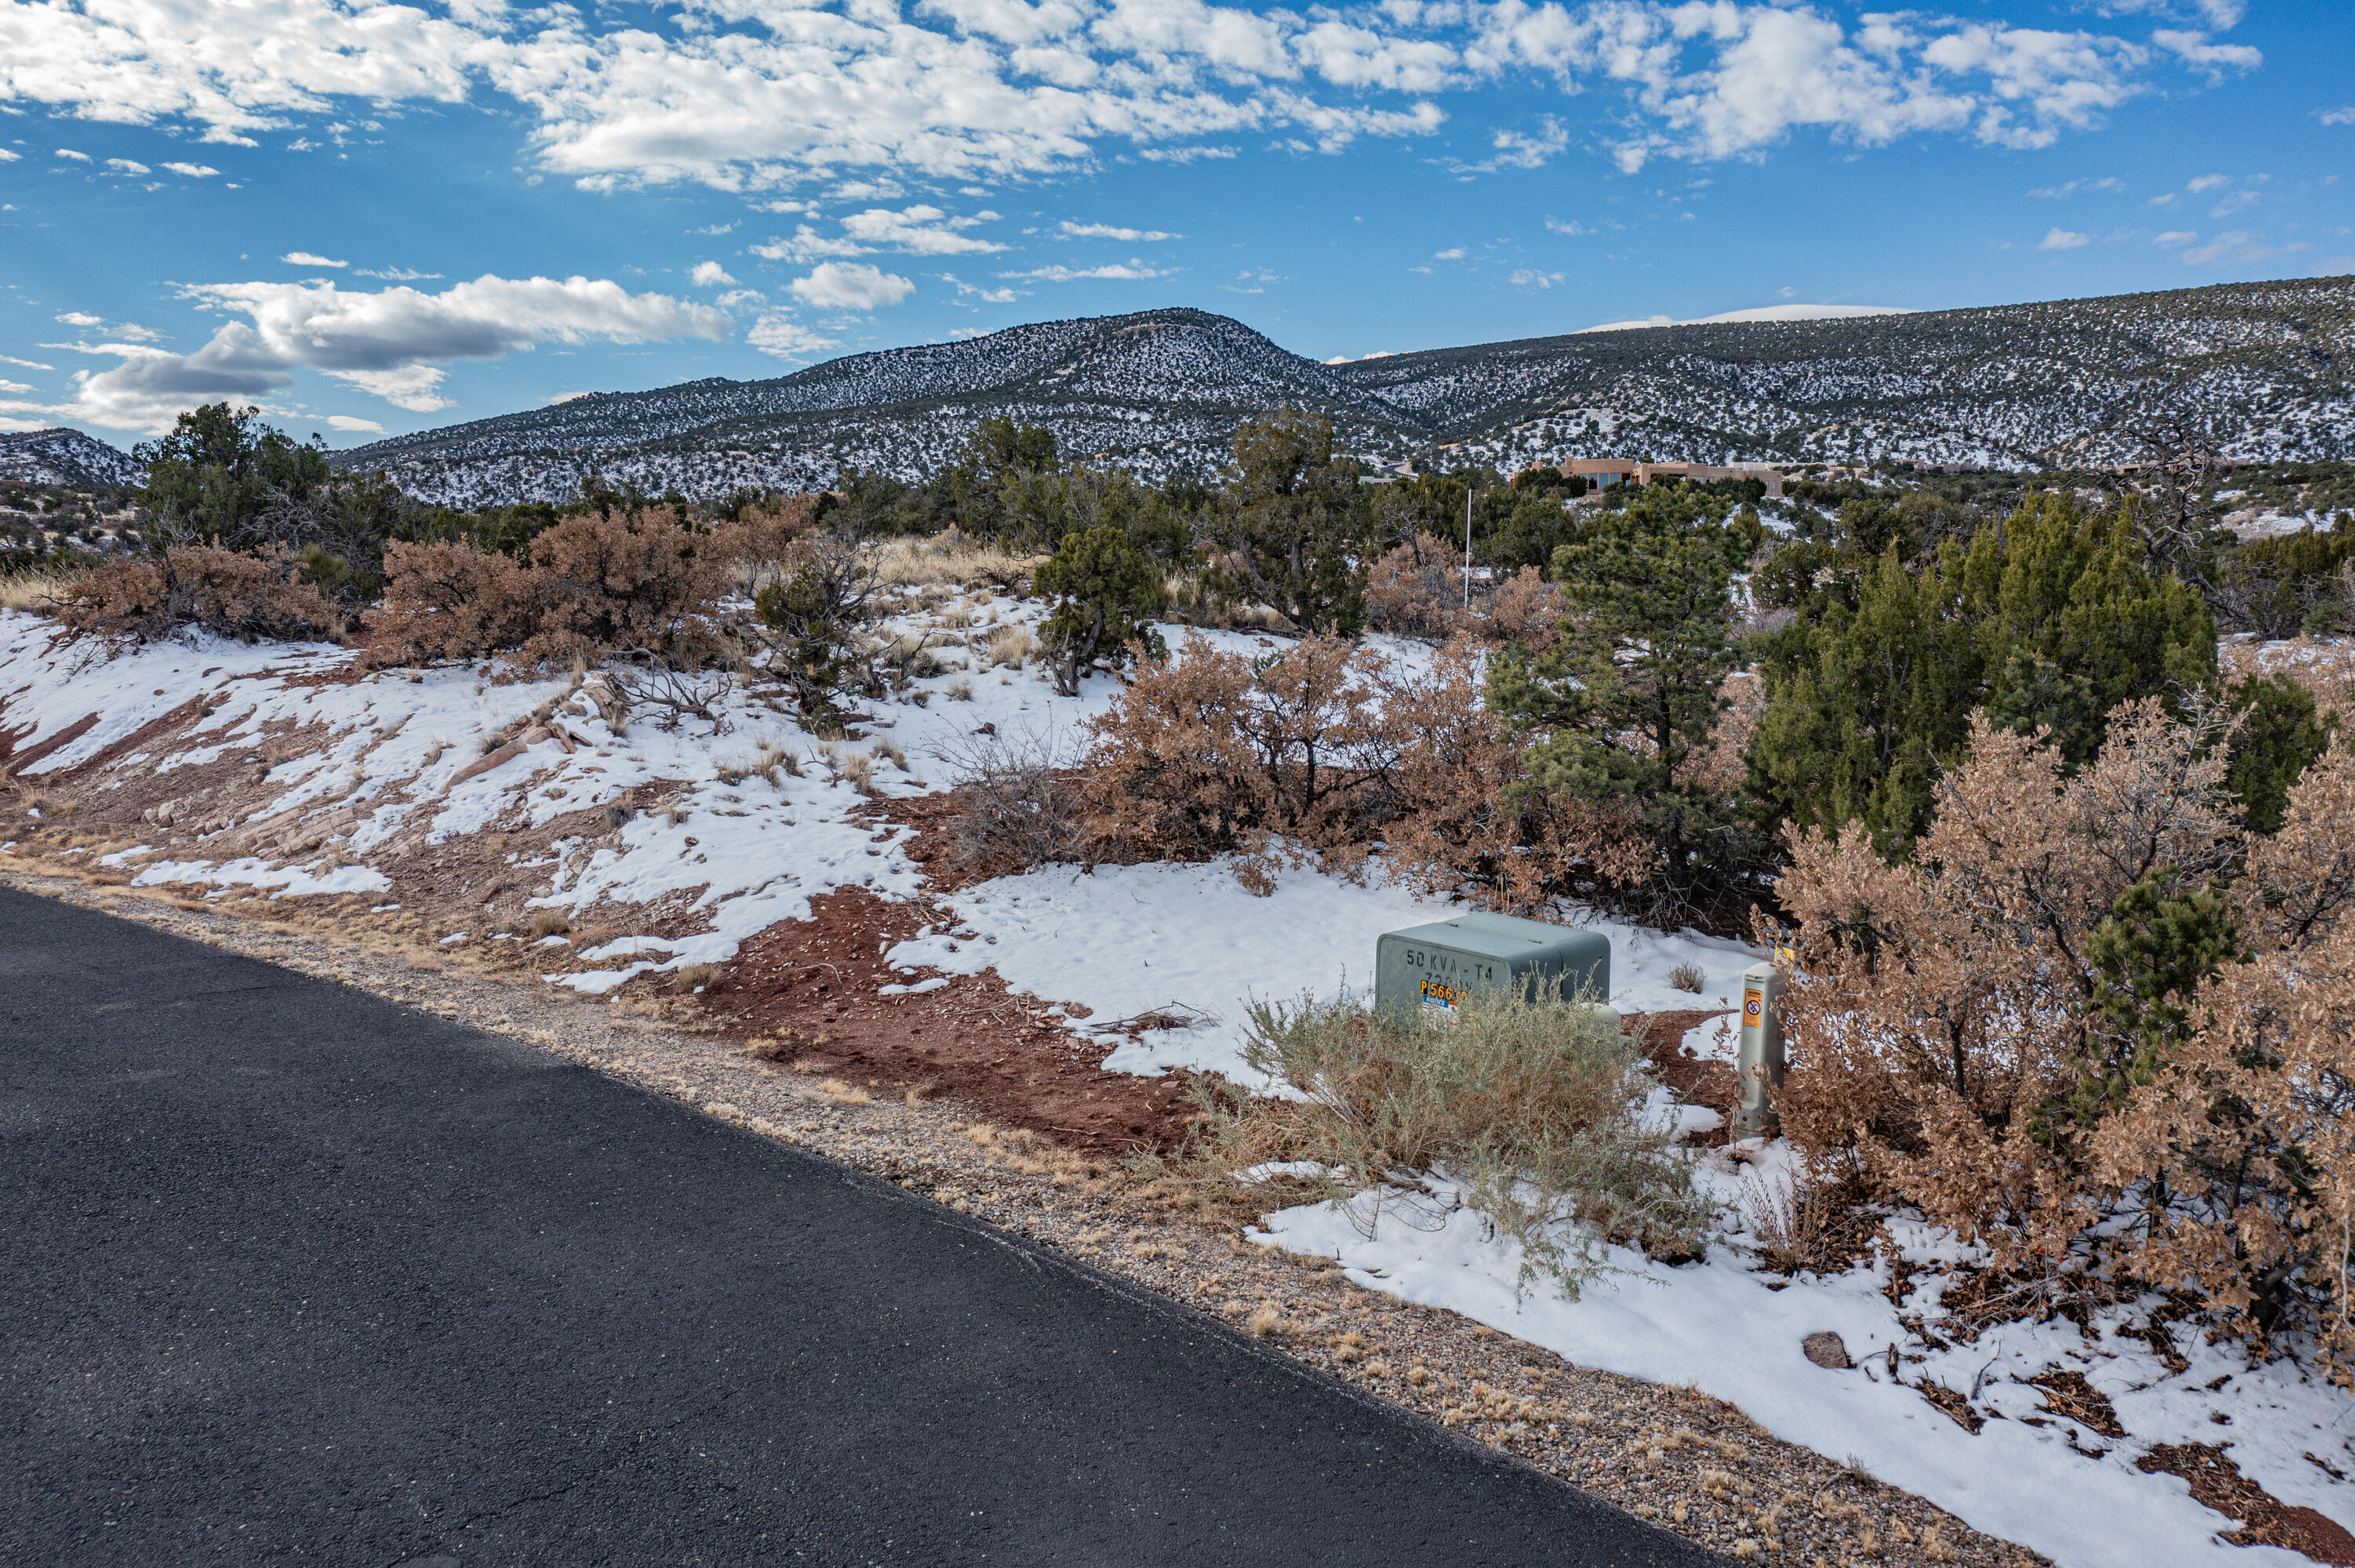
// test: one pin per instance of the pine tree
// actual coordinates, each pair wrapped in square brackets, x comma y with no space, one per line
[1106,591]
[1295,523]
[1866,708]
[2072,625]
[1616,712]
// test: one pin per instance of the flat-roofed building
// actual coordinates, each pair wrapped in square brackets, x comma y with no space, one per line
[1621,470]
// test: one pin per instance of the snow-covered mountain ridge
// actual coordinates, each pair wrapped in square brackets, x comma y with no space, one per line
[2259,369]
[64,456]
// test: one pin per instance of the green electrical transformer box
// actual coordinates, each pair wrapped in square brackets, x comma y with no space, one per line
[1431,969]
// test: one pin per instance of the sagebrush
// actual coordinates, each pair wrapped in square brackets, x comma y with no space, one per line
[1529,1108]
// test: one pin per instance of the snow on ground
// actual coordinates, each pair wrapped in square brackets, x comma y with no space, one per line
[1133,940]
[1734,1332]
[379,763]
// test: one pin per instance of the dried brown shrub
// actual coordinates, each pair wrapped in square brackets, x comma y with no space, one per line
[1416,589]
[199,587]
[1468,820]
[451,601]
[2237,1157]
[1330,751]
[1951,1034]
[1214,752]
[762,546]
[1939,1004]
[1523,608]
[2325,667]
[634,582]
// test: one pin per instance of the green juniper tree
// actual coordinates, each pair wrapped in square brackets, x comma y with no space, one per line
[1295,524]
[1106,592]
[1616,711]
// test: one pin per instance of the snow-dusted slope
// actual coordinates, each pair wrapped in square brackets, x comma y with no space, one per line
[1128,388]
[68,457]
[2258,367]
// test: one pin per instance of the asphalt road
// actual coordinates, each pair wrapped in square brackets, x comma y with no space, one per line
[290,1273]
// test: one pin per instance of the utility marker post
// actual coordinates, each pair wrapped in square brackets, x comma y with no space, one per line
[1471,482]
[1760,1064]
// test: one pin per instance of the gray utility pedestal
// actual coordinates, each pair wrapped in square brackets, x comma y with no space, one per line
[1431,969]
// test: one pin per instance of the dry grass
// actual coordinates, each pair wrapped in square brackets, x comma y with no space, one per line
[952,559]
[857,769]
[1804,1220]
[1531,1107]
[549,923]
[694,978]
[1688,977]
[1010,646]
[33,592]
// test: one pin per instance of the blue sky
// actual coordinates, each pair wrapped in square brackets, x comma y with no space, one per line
[375,218]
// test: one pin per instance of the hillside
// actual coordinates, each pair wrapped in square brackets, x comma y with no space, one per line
[65,457]
[2259,369]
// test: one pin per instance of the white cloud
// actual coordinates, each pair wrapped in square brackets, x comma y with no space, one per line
[1572,227]
[1453,253]
[2202,183]
[748,96]
[2235,245]
[193,171]
[8,157]
[77,157]
[305,258]
[2215,12]
[2239,201]
[708,275]
[390,342]
[1134,270]
[2108,183]
[395,274]
[353,422]
[27,363]
[735,297]
[974,291]
[130,332]
[1517,150]
[1107,231]
[13,388]
[918,230]
[1531,278]
[2175,237]
[786,338]
[850,286]
[2212,61]
[2345,116]
[2064,240]
[128,167]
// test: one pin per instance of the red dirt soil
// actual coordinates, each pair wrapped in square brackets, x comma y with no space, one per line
[2266,1520]
[1693,1080]
[806,992]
